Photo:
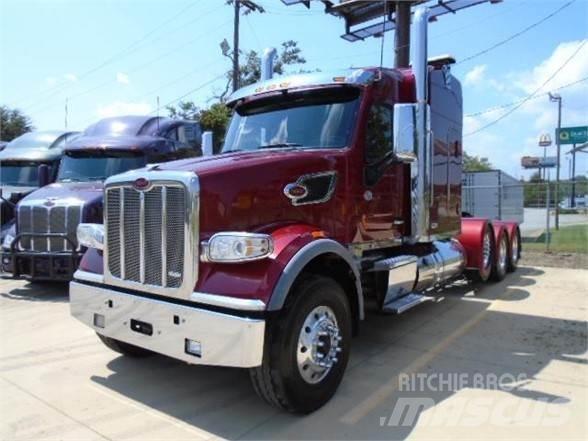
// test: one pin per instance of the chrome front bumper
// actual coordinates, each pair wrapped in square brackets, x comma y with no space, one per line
[226,340]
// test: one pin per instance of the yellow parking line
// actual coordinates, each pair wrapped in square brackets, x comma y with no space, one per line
[379,396]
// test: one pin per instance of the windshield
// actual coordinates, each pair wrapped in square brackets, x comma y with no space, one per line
[311,119]
[20,173]
[33,140]
[97,166]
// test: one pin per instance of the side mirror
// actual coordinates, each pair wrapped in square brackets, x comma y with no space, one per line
[207,144]
[43,173]
[405,142]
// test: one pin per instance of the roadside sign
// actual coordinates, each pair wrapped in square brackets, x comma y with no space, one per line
[572,135]
[545,140]
[537,162]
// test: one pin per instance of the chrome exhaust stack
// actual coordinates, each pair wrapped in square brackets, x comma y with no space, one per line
[412,141]
[267,63]
[421,183]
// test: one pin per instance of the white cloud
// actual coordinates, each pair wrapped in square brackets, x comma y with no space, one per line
[70,77]
[122,78]
[475,76]
[544,112]
[118,108]
[518,134]
[51,81]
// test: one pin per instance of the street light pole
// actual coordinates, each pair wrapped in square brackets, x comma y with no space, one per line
[557,98]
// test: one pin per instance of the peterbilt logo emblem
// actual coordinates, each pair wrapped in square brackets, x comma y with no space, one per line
[295,191]
[49,202]
[141,184]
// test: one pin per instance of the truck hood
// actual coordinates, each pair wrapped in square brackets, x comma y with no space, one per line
[244,191]
[263,161]
[67,192]
[8,191]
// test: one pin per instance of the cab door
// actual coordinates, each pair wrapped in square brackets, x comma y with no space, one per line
[383,179]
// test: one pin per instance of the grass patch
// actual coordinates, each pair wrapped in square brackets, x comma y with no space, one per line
[572,239]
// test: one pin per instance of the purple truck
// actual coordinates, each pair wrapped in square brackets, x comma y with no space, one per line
[43,246]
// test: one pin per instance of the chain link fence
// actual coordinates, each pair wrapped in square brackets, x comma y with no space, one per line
[534,206]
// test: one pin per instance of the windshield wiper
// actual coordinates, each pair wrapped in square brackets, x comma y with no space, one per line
[280,144]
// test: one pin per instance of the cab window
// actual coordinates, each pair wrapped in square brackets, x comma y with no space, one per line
[378,143]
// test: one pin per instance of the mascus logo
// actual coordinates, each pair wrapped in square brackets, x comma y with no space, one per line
[141,184]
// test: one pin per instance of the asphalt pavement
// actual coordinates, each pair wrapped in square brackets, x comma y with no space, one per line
[498,361]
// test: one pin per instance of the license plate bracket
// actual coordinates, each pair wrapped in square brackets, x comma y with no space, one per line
[141,327]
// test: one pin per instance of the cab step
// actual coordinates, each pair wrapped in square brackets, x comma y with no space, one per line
[404,303]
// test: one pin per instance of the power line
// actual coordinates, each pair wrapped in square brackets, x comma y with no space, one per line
[129,50]
[112,58]
[505,106]
[139,67]
[517,34]
[529,97]
[201,86]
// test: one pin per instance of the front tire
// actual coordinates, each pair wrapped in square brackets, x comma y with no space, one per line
[307,347]
[124,348]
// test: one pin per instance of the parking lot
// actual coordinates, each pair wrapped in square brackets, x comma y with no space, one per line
[58,382]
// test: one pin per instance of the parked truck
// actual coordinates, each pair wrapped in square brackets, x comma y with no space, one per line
[42,245]
[333,189]
[28,162]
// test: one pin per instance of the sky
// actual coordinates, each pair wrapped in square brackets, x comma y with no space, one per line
[116,57]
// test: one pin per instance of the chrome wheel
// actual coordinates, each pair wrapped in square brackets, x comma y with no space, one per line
[487,251]
[318,344]
[503,255]
[515,249]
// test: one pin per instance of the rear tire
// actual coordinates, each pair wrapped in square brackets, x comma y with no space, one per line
[487,250]
[124,348]
[313,328]
[502,252]
[514,252]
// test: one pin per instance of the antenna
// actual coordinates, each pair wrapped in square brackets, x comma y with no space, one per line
[383,36]
[66,102]
[158,113]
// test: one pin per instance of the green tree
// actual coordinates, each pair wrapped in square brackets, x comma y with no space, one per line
[473,163]
[184,110]
[13,123]
[216,118]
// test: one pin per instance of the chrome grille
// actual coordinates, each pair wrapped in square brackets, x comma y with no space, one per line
[39,219]
[145,234]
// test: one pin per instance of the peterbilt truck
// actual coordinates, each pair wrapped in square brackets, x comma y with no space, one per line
[42,245]
[28,162]
[334,190]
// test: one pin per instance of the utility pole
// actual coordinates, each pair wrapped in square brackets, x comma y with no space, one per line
[557,98]
[402,34]
[573,200]
[250,6]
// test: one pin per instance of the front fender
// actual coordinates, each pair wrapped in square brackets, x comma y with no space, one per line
[302,258]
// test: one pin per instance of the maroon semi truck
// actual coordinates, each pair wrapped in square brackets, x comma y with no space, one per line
[332,190]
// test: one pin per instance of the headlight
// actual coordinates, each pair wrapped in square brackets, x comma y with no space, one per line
[238,247]
[91,235]
[7,240]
